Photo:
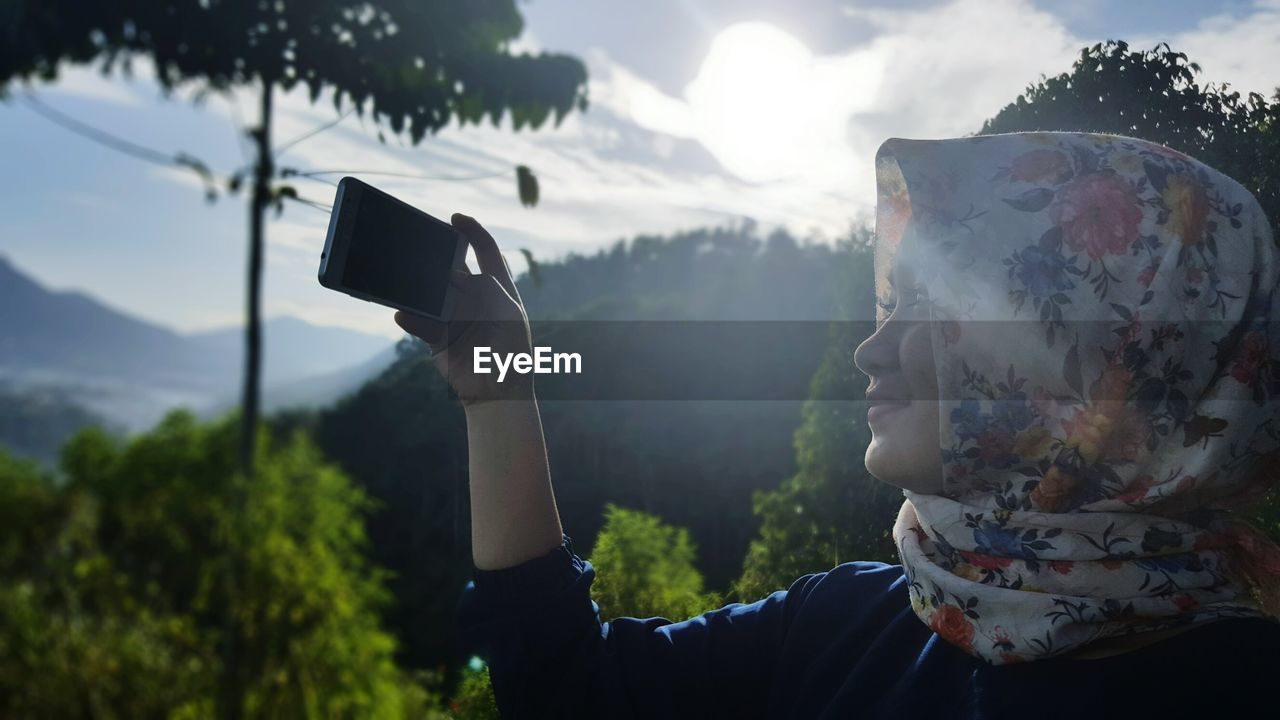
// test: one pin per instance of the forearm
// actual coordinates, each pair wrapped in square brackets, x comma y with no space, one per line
[513,508]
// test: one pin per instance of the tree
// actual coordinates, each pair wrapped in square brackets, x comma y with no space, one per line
[418,64]
[1154,95]
[646,568]
[75,640]
[110,597]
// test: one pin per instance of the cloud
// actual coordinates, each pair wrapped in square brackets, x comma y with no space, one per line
[951,66]
[932,72]
[1241,49]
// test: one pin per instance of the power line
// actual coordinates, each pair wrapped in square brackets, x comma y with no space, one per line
[306,136]
[101,137]
[313,204]
[288,172]
[185,160]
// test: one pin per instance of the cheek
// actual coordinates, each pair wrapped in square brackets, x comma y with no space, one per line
[922,418]
[916,358]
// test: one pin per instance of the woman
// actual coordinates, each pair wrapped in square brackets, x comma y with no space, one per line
[1074,379]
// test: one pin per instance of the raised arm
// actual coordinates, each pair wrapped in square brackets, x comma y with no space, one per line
[529,610]
[513,509]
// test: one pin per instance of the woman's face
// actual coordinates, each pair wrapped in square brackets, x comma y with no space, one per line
[898,358]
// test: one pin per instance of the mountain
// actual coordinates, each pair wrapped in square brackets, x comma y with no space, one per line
[71,352]
[319,390]
[295,349]
[65,335]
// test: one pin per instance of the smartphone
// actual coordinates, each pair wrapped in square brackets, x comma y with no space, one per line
[384,250]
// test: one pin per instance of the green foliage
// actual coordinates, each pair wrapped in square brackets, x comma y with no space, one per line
[75,639]
[474,698]
[403,440]
[1154,95]
[114,582]
[418,64]
[646,568]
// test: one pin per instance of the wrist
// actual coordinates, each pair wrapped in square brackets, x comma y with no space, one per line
[505,406]
[514,396]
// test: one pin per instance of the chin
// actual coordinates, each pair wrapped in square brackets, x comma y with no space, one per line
[907,473]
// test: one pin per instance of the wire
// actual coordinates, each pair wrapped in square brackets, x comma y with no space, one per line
[147,154]
[414,176]
[313,204]
[314,179]
[102,137]
[306,136]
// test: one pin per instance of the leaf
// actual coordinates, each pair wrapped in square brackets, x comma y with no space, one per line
[1033,200]
[1156,174]
[1051,240]
[1122,311]
[527,185]
[1071,368]
[1201,426]
[535,270]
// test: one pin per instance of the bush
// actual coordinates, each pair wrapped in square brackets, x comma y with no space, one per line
[119,585]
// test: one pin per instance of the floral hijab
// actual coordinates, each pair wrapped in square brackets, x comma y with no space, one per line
[1106,329]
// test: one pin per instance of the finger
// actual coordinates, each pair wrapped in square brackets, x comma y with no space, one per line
[460,280]
[515,292]
[488,255]
[490,287]
[432,332]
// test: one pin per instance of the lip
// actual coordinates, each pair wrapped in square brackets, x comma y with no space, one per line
[879,409]
[878,395]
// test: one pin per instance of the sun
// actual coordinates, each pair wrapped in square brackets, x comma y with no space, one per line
[765,106]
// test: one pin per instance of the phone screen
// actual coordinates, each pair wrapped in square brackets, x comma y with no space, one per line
[399,254]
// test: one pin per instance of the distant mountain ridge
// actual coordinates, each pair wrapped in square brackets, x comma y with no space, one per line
[52,332]
[130,371]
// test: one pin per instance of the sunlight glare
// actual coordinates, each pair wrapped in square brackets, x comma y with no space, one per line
[764,106]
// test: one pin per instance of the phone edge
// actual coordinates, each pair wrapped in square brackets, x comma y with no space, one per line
[327,253]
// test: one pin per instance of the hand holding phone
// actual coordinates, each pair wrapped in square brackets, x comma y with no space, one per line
[381,249]
[487,312]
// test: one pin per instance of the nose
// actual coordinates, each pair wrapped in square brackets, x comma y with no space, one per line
[878,354]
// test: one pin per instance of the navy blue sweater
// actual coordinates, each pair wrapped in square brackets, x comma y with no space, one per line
[842,643]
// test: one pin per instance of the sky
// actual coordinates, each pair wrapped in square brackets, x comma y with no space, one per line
[702,112]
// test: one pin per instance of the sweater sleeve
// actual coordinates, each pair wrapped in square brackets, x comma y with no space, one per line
[550,656]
